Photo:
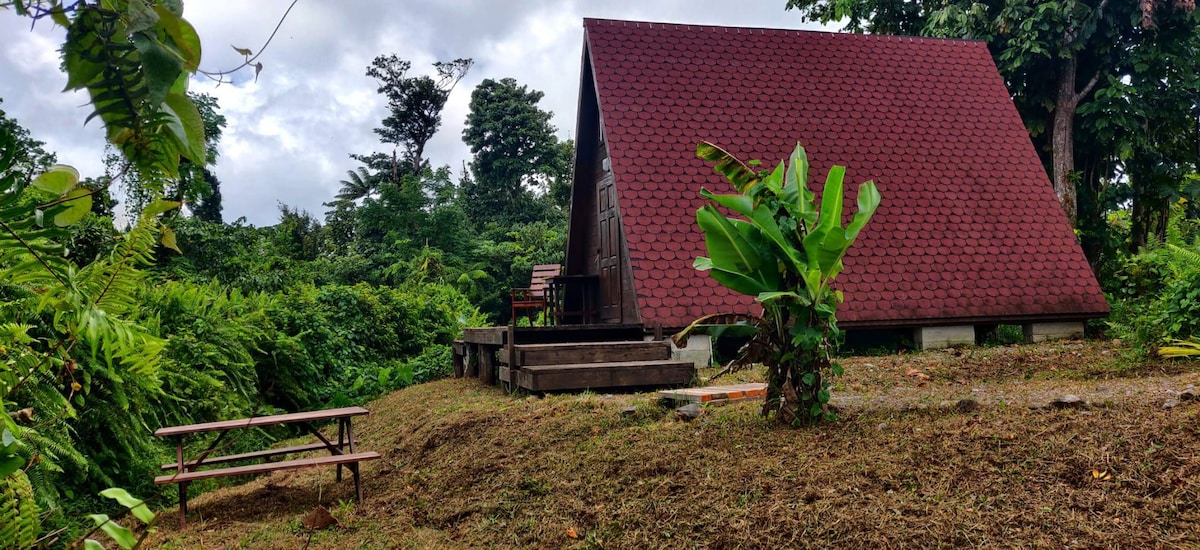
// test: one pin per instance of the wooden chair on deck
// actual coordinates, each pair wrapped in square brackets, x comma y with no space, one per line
[533,299]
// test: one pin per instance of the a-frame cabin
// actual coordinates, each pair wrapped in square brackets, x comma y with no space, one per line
[969,234]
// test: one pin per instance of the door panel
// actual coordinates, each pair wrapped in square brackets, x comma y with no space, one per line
[610,251]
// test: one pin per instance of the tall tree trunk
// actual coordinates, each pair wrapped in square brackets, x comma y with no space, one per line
[1139,225]
[1063,138]
[1063,143]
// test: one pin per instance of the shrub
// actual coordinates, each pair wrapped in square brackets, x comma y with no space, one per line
[1157,297]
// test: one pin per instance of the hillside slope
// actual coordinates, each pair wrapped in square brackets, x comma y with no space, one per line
[468,466]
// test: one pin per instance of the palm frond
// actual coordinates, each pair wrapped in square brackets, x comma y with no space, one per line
[1180,349]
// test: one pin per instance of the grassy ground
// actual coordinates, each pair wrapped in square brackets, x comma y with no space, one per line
[467,466]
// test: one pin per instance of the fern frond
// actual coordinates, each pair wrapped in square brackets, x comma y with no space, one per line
[19,521]
[1183,260]
[112,283]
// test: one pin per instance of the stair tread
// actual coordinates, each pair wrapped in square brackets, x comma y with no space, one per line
[592,344]
[609,364]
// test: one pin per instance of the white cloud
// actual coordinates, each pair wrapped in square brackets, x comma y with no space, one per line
[290,133]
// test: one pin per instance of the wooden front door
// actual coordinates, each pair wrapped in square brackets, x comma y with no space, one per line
[610,250]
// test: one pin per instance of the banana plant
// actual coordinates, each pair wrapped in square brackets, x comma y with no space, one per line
[785,251]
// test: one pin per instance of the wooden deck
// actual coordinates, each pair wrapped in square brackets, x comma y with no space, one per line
[569,357]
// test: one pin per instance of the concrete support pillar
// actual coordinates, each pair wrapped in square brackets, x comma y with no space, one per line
[1062,330]
[698,351]
[944,337]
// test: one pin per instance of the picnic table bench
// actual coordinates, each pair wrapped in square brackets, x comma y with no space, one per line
[342,452]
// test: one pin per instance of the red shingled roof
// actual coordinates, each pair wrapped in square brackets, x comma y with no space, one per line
[969,229]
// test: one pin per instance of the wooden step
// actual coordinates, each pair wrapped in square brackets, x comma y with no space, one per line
[623,374]
[588,352]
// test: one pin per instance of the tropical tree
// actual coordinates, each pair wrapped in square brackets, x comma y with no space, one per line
[415,103]
[29,156]
[786,253]
[209,207]
[358,185]
[514,150]
[563,178]
[1057,58]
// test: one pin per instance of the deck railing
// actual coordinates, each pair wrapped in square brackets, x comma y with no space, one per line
[571,300]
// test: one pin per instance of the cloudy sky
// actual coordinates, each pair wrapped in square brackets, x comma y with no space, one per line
[290,133]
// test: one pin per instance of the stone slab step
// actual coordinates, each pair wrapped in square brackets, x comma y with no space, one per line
[716,395]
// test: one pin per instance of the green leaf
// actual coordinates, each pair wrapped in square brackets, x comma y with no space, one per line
[868,201]
[89,544]
[831,200]
[766,297]
[7,439]
[837,369]
[797,197]
[77,203]
[825,243]
[825,310]
[736,263]
[160,67]
[136,505]
[158,207]
[774,180]
[742,204]
[762,218]
[183,35]
[742,176]
[808,379]
[139,16]
[168,239]
[80,62]
[10,464]
[56,181]
[173,6]
[59,17]
[189,130]
[122,536]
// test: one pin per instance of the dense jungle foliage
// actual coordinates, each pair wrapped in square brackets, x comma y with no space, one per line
[112,326]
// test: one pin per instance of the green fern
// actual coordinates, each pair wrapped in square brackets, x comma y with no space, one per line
[1183,259]
[19,522]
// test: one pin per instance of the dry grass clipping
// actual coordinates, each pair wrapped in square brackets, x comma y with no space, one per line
[468,466]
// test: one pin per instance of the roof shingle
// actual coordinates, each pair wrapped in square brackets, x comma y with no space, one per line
[969,228]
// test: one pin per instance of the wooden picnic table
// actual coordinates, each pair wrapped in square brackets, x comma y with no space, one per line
[342,452]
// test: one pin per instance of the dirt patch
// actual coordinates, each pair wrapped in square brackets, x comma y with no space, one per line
[469,466]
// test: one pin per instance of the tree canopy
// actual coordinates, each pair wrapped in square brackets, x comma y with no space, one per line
[415,103]
[514,149]
[1094,81]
